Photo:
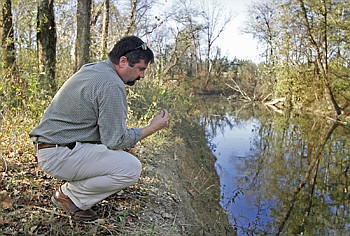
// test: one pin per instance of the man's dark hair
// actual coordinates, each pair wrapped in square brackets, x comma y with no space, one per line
[131,48]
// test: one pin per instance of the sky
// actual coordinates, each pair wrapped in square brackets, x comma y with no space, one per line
[232,42]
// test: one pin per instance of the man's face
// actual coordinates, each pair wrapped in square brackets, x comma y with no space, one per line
[132,74]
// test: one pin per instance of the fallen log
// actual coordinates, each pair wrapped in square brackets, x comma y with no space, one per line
[274,108]
[275,101]
[274,104]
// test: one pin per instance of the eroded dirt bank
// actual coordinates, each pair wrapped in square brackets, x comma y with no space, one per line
[188,199]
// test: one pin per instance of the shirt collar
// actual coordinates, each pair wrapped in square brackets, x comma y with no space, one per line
[110,63]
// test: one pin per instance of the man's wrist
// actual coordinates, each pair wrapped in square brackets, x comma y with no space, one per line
[148,130]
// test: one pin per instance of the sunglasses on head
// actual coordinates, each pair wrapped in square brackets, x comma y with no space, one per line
[143,46]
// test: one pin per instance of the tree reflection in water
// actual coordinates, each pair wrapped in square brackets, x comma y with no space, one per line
[280,174]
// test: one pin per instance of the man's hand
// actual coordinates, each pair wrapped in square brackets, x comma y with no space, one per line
[158,122]
[131,150]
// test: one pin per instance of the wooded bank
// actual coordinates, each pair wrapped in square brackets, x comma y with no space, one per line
[306,56]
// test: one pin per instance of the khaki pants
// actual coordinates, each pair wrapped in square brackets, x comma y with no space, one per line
[93,172]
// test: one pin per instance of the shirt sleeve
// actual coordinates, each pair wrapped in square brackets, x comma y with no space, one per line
[112,115]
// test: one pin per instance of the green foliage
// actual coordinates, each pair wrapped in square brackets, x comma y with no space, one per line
[340,84]
[341,87]
[299,86]
[266,80]
[148,97]
[22,94]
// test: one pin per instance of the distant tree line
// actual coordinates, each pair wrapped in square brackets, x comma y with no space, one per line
[307,50]
[306,56]
[58,37]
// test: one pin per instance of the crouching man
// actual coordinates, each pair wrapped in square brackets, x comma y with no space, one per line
[83,132]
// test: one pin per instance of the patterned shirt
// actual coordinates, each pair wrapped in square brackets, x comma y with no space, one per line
[91,106]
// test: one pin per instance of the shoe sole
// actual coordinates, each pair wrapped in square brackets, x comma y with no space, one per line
[59,205]
[56,203]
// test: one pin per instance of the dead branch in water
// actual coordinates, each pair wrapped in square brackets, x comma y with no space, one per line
[273,104]
[275,101]
[238,89]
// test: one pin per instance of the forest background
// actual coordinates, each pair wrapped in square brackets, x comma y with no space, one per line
[306,48]
[305,62]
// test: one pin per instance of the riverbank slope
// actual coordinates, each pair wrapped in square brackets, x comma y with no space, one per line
[178,193]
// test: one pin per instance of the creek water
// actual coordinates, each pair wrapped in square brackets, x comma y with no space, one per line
[280,174]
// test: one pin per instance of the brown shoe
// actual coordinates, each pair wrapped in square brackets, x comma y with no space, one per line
[63,201]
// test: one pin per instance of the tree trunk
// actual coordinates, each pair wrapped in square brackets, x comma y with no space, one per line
[7,37]
[105,29]
[46,39]
[83,40]
[132,24]
[321,53]
[208,63]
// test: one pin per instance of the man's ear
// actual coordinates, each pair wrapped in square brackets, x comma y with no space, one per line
[123,61]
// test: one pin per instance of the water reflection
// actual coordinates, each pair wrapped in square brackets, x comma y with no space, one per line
[280,175]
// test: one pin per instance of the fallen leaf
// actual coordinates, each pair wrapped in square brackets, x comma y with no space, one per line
[100,221]
[167,215]
[6,202]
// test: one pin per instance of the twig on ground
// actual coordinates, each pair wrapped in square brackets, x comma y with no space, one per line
[51,211]
[5,167]
[174,221]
